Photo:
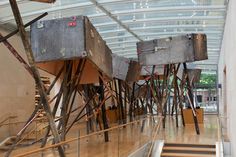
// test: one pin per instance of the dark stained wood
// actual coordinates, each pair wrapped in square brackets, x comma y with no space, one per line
[36,75]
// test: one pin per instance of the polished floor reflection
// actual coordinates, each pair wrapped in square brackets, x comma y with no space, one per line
[126,140]
[187,134]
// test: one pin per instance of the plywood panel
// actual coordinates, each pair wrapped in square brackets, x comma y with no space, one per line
[188,116]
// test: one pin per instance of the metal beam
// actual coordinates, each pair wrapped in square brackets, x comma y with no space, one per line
[163,27]
[70,6]
[133,49]
[121,47]
[162,19]
[217,8]
[108,13]
[210,47]
[161,34]
[151,37]
[134,41]
[49,10]
[121,42]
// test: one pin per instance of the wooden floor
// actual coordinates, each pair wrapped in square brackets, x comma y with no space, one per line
[124,141]
[187,134]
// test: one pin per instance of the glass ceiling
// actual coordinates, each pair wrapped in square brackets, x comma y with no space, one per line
[122,23]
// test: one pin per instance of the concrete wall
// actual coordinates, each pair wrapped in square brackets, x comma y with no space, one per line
[227,75]
[16,88]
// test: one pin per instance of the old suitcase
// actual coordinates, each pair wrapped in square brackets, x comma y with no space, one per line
[194,75]
[178,49]
[71,38]
[133,71]
[120,66]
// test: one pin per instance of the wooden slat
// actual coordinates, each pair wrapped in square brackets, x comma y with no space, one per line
[189,145]
[190,148]
[185,155]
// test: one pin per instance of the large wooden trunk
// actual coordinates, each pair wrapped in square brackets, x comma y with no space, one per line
[120,67]
[194,75]
[133,71]
[178,49]
[188,116]
[71,38]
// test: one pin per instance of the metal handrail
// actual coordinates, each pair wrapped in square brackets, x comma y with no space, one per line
[78,138]
[221,135]
[155,135]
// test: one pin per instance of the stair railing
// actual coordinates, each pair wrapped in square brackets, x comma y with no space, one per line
[118,127]
[220,136]
[154,137]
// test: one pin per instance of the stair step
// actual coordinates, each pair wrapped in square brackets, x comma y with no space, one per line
[188,151]
[189,148]
[189,145]
[185,155]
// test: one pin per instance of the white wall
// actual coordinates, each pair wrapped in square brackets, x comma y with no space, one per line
[16,88]
[227,63]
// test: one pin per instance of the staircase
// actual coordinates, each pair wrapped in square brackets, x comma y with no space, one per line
[188,150]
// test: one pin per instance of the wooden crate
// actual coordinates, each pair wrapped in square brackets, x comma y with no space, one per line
[188,116]
[177,49]
[112,115]
[133,71]
[72,38]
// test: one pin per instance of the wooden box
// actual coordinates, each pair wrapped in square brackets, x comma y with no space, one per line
[133,71]
[188,116]
[120,66]
[112,115]
[71,38]
[178,49]
[194,74]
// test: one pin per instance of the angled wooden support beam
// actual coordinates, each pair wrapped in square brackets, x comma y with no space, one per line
[121,104]
[180,96]
[81,111]
[190,98]
[175,84]
[131,107]
[104,117]
[36,74]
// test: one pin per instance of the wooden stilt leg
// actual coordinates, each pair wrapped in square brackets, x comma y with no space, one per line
[121,102]
[131,107]
[175,103]
[36,75]
[180,97]
[190,96]
[104,118]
